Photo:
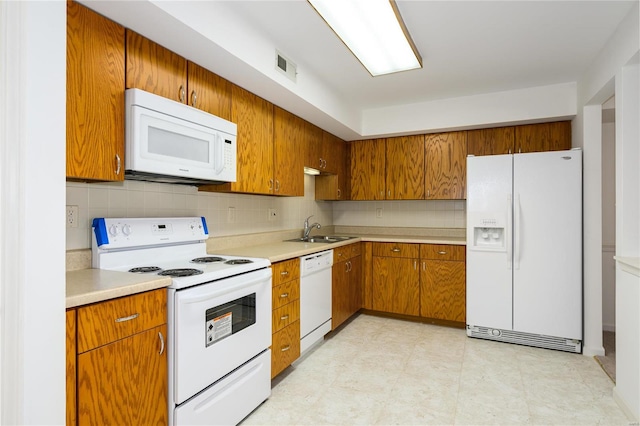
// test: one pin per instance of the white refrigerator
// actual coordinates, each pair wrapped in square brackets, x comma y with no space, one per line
[524,249]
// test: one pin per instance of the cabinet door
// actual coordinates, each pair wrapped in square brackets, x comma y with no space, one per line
[339,293]
[332,153]
[443,290]
[367,169]
[396,285]
[313,146]
[289,153]
[155,69]
[254,117]
[71,367]
[95,96]
[494,141]
[446,166]
[543,137]
[208,91]
[125,382]
[405,168]
[285,348]
[355,284]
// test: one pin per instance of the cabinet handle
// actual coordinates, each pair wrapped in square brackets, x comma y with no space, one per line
[284,295]
[389,193]
[428,193]
[118,164]
[284,317]
[161,343]
[285,348]
[415,265]
[442,252]
[339,192]
[424,266]
[194,98]
[277,185]
[129,318]
[181,94]
[350,266]
[395,250]
[284,273]
[270,184]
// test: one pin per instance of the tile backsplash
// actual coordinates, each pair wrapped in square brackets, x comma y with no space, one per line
[250,213]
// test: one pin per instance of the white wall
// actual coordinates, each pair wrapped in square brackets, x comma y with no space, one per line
[608,222]
[32,258]
[595,87]
[147,199]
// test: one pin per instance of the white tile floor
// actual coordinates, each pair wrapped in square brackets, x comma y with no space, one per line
[391,372]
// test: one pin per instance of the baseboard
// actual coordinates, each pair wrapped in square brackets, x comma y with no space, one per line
[624,407]
[593,351]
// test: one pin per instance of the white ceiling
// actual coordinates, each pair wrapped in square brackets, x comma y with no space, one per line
[468,48]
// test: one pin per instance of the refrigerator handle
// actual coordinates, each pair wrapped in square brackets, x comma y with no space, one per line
[507,231]
[516,233]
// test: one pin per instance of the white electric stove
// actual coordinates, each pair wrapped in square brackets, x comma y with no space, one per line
[218,314]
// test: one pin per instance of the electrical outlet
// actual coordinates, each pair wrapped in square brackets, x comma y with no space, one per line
[72,216]
[273,214]
[379,213]
[231,215]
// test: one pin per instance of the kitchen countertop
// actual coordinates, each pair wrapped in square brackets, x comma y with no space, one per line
[87,286]
[279,251]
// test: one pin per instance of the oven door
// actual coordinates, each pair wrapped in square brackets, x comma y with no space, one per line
[217,327]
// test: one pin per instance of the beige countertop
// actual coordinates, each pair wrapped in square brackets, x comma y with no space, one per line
[279,251]
[86,286]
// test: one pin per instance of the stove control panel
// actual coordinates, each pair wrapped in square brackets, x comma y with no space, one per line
[117,233]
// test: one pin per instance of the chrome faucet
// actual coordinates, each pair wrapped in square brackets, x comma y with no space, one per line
[308,228]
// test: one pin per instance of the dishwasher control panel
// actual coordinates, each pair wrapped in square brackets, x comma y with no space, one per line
[316,262]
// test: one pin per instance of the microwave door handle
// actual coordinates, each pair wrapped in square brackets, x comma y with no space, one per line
[219,155]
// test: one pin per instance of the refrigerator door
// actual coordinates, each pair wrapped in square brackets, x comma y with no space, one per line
[547,284]
[489,244]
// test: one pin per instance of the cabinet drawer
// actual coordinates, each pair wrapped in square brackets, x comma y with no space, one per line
[356,249]
[286,271]
[341,253]
[395,250]
[285,315]
[442,252]
[285,348]
[285,293]
[106,322]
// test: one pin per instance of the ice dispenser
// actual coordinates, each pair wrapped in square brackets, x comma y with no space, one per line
[489,234]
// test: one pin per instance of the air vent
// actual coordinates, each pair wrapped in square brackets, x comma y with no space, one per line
[527,339]
[286,67]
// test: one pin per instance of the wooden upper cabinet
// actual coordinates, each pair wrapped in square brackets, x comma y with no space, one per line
[332,153]
[155,69]
[313,145]
[543,137]
[336,186]
[208,91]
[446,166]
[95,96]
[254,117]
[289,131]
[494,141]
[405,168]
[367,169]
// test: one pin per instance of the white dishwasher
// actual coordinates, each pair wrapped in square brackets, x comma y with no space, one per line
[315,298]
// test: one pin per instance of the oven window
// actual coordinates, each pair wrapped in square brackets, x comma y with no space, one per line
[230,318]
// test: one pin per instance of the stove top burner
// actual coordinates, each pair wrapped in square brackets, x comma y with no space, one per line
[207,259]
[238,261]
[144,269]
[182,272]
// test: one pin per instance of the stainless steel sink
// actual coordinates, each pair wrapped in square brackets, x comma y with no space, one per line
[326,239]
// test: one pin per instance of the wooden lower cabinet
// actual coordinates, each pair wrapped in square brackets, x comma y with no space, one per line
[421,280]
[285,320]
[71,367]
[124,382]
[121,365]
[346,284]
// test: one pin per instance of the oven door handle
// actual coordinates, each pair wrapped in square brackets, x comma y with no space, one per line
[217,293]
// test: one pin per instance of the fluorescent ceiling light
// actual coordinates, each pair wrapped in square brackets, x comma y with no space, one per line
[374,32]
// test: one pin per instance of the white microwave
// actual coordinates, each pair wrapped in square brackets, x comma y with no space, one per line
[167,141]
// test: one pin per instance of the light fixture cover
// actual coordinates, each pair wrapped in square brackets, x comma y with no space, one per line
[374,32]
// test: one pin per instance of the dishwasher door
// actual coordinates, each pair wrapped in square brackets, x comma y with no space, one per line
[315,298]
